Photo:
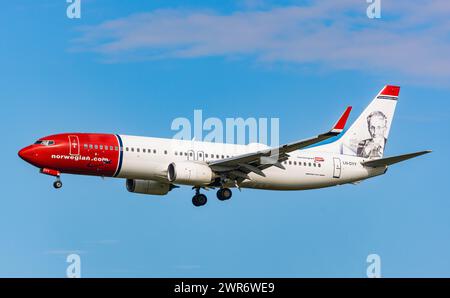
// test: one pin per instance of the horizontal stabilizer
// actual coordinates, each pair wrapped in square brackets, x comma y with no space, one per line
[392,160]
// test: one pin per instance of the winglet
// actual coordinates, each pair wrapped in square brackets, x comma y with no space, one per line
[340,124]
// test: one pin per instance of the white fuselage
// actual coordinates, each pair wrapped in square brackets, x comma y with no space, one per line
[148,159]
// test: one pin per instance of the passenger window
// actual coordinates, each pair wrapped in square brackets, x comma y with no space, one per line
[137,149]
[154,151]
[314,164]
[106,147]
[101,147]
[111,148]
[127,149]
[132,149]
[309,164]
[165,151]
[85,146]
[319,165]
[90,146]
[95,147]
[117,148]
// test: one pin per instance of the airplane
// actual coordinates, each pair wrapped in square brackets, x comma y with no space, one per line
[156,166]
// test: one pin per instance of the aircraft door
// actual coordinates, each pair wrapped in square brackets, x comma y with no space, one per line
[337,168]
[74,144]
[191,155]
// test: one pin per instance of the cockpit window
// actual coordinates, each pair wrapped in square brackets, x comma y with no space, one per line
[45,142]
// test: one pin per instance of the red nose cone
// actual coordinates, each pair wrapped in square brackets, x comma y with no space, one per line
[26,154]
[22,153]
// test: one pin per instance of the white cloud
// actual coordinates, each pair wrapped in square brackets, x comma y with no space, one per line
[411,39]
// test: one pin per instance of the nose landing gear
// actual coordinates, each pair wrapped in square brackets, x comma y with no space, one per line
[57,184]
[55,173]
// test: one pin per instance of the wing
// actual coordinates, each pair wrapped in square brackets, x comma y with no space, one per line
[238,167]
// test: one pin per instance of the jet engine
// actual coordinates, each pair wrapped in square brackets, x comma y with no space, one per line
[148,187]
[190,173]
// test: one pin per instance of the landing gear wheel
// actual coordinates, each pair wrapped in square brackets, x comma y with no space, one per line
[57,184]
[199,200]
[224,194]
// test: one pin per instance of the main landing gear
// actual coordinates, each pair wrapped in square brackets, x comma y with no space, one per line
[224,194]
[199,199]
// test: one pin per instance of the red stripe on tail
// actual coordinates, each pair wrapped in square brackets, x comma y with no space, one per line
[391,91]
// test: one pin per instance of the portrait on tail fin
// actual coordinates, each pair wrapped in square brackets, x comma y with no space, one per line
[374,146]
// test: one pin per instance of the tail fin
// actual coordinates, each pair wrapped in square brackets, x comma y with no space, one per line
[368,134]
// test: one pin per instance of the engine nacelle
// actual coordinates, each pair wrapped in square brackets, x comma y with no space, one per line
[190,173]
[148,187]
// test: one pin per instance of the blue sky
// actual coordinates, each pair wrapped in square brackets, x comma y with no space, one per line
[131,67]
